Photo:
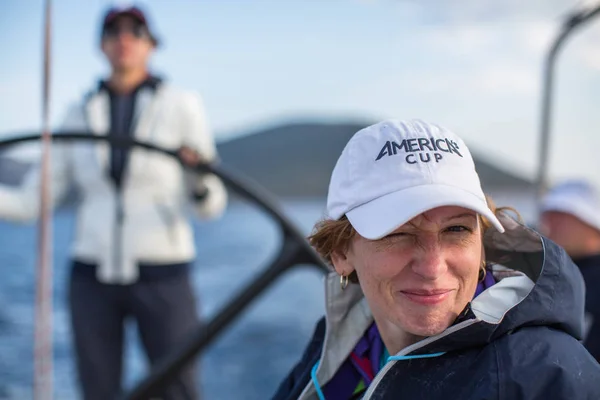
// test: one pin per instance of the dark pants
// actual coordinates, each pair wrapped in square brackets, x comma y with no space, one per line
[164,308]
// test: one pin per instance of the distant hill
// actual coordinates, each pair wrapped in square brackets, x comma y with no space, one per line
[297,159]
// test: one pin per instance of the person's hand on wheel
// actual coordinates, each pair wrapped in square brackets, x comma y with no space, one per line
[190,157]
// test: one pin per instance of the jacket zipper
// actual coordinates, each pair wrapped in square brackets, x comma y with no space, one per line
[409,349]
[118,231]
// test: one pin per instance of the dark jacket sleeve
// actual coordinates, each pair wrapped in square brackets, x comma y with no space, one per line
[543,363]
[591,275]
[293,385]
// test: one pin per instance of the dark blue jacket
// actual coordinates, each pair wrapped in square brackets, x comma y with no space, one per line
[532,352]
[590,268]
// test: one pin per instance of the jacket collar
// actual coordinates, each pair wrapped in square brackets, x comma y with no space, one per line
[148,106]
[151,82]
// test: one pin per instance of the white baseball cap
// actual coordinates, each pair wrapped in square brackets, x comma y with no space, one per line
[392,171]
[575,197]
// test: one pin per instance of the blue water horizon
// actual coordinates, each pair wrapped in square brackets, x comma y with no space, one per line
[231,251]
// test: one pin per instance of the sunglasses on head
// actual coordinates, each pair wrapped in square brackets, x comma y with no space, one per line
[138,31]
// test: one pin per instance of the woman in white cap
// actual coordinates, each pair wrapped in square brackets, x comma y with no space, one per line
[571,218]
[435,293]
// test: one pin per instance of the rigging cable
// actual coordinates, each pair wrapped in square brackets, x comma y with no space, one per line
[42,386]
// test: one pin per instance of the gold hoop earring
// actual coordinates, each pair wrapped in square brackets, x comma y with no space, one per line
[482,272]
[344,281]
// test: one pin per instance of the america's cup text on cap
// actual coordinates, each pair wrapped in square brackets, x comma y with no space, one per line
[428,149]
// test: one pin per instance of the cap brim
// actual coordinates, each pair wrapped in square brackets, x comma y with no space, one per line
[382,216]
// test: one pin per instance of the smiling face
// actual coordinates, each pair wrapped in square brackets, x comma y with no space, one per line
[420,277]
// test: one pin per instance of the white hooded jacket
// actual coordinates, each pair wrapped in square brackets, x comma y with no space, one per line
[146,221]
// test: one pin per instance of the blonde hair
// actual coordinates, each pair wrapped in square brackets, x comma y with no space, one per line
[336,235]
